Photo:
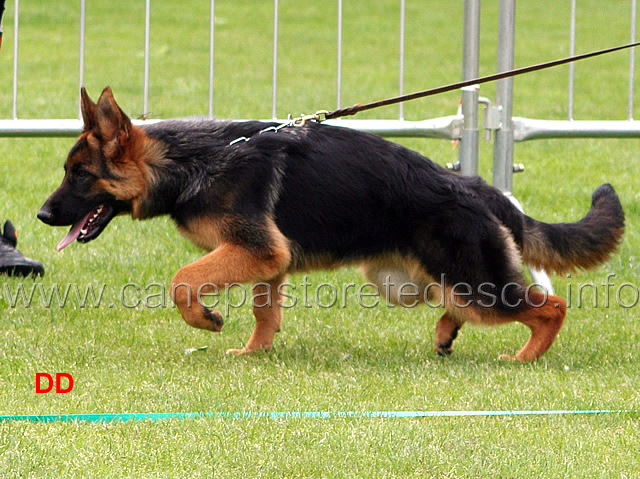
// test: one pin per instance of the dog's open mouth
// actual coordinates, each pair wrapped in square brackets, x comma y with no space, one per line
[89,227]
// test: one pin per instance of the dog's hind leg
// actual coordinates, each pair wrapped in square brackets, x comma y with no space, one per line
[268,312]
[544,318]
[446,331]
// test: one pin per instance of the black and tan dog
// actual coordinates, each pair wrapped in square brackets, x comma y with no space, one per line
[319,196]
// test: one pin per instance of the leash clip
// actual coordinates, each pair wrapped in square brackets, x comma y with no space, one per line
[319,117]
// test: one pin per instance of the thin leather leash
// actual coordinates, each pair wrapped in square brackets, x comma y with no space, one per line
[323,115]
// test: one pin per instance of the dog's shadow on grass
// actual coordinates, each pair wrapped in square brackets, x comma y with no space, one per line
[325,347]
[340,355]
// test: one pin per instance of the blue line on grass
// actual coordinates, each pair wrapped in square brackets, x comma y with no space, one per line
[124,417]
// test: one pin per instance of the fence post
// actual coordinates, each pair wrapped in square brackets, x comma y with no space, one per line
[212,30]
[147,47]
[471,35]
[16,38]
[83,15]
[503,144]
[632,59]
[274,64]
[468,152]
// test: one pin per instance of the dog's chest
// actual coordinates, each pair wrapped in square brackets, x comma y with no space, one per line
[206,232]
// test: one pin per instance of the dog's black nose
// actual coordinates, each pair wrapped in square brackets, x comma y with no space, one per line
[45,215]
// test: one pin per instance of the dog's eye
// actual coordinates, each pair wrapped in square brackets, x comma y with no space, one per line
[80,172]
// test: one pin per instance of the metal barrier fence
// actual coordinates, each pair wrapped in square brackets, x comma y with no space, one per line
[448,127]
[498,116]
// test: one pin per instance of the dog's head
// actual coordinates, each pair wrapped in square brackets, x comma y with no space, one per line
[103,176]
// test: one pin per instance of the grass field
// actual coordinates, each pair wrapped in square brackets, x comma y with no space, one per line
[131,358]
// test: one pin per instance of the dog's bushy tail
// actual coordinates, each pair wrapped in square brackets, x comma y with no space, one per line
[565,247]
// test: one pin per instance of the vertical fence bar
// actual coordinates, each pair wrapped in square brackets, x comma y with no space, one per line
[147,28]
[471,36]
[274,72]
[403,15]
[16,22]
[572,51]
[339,58]
[81,54]
[632,59]
[468,154]
[503,144]
[468,147]
[212,21]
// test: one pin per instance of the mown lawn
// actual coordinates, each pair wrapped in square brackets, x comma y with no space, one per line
[129,357]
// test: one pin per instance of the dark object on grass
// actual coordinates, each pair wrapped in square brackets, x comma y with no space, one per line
[1,16]
[12,261]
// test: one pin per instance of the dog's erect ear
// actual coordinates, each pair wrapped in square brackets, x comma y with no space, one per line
[111,121]
[89,110]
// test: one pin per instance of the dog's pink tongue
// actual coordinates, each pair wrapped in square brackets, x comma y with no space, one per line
[72,235]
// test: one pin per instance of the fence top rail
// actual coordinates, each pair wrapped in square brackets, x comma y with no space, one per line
[53,127]
[447,127]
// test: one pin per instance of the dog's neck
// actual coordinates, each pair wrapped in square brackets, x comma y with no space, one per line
[188,161]
[178,166]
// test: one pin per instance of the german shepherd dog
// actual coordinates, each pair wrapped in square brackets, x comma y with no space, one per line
[319,196]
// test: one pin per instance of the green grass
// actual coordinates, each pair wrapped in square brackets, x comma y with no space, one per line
[341,359]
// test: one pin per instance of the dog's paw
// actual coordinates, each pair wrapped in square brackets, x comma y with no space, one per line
[243,351]
[238,352]
[444,349]
[506,357]
[217,321]
[248,350]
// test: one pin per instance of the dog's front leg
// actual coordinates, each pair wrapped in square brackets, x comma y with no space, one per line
[231,263]
[268,313]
